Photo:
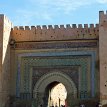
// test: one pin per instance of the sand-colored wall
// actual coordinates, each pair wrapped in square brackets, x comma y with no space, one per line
[103,56]
[46,33]
[5,29]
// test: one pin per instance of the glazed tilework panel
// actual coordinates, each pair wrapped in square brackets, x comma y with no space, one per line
[72,71]
[53,62]
[54,45]
[27,64]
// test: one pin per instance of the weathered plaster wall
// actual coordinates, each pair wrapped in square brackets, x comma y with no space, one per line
[5,60]
[103,56]
[45,33]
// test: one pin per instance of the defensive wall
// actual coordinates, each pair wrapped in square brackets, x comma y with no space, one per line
[10,34]
[55,33]
[103,56]
[5,29]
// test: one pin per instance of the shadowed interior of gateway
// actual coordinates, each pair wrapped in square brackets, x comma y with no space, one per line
[55,95]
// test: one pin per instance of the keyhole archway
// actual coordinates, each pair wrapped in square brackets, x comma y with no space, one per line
[48,82]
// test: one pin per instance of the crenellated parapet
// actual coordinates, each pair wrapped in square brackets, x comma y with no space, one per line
[55,26]
[56,32]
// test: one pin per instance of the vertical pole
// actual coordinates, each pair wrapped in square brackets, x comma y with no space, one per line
[59,102]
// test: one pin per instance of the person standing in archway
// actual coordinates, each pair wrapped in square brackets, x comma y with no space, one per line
[65,103]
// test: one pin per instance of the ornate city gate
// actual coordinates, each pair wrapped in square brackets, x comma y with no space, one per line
[67,55]
[34,60]
[36,70]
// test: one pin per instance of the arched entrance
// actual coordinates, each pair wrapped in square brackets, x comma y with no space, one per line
[47,83]
[57,94]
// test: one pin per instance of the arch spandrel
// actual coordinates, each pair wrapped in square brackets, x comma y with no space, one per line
[45,80]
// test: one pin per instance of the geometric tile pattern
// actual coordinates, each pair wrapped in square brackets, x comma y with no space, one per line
[47,62]
[72,71]
[86,61]
[53,45]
